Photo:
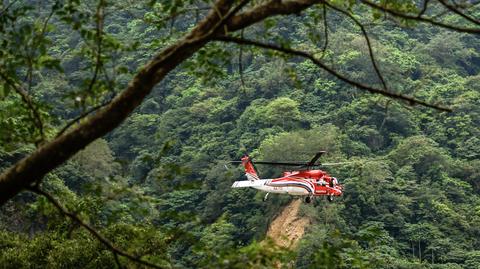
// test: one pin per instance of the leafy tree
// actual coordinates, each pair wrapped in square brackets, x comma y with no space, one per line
[154,192]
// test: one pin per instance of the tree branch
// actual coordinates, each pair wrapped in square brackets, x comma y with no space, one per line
[117,261]
[420,18]
[7,7]
[52,154]
[306,55]
[424,8]
[99,29]
[98,65]
[240,64]
[367,39]
[109,245]
[27,99]
[81,116]
[268,9]
[458,12]
[325,29]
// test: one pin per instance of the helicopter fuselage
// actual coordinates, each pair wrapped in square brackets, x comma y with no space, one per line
[305,183]
[308,182]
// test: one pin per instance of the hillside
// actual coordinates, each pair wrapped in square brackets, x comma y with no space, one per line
[118,121]
[288,227]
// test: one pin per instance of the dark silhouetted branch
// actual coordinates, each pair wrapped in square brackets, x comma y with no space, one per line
[420,18]
[458,12]
[99,17]
[117,261]
[50,155]
[27,99]
[81,116]
[98,36]
[367,39]
[424,8]
[309,56]
[109,245]
[240,64]
[7,7]
[325,31]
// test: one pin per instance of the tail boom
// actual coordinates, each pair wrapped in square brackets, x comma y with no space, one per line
[267,186]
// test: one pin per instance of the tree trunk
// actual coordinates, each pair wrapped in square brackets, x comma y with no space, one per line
[419,251]
[413,249]
[49,156]
[35,166]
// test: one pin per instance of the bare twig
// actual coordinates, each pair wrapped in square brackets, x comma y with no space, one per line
[25,92]
[325,29]
[197,11]
[206,36]
[399,14]
[223,20]
[27,99]
[386,114]
[110,81]
[30,52]
[99,29]
[367,39]
[37,164]
[172,24]
[99,18]
[458,12]
[7,7]
[45,23]
[240,64]
[309,56]
[109,245]
[465,7]
[81,116]
[211,32]
[424,8]
[117,261]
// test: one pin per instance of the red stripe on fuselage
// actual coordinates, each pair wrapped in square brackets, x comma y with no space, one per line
[291,181]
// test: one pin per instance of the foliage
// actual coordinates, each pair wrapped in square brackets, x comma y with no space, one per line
[157,186]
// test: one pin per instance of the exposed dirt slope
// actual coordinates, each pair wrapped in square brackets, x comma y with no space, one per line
[287,228]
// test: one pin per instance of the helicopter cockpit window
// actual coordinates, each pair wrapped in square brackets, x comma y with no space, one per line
[321,182]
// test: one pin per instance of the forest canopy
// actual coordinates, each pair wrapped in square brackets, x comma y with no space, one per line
[116,120]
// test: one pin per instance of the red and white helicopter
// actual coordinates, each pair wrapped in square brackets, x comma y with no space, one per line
[305,181]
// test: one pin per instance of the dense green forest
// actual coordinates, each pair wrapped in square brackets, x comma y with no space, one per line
[157,187]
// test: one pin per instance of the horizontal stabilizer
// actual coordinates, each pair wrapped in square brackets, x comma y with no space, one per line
[248,183]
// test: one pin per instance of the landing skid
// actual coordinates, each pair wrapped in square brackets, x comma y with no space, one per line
[308,199]
[266,196]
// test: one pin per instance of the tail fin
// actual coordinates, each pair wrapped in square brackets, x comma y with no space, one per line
[249,168]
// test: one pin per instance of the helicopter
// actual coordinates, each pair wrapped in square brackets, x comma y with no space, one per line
[304,181]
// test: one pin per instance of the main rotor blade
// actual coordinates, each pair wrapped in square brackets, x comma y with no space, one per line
[309,164]
[275,163]
[317,156]
[338,163]
[280,163]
